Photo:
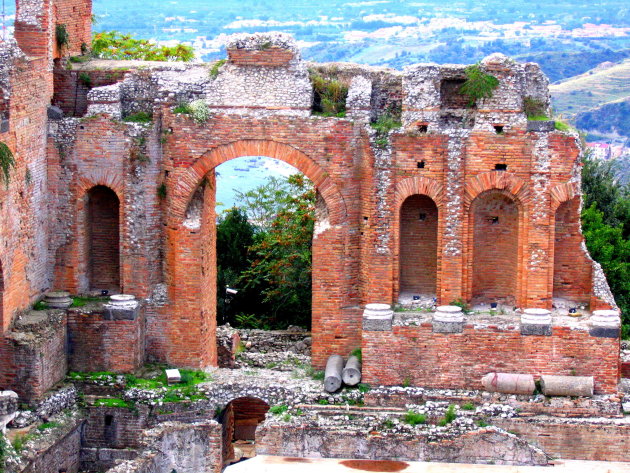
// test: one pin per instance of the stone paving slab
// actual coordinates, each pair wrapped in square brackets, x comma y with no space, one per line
[269,464]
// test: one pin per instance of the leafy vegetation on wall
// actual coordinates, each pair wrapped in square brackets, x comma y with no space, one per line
[115,45]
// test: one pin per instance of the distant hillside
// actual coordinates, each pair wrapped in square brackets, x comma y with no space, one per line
[599,86]
[611,118]
[560,65]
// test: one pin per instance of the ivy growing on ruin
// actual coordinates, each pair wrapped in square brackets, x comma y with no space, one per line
[7,162]
[478,85]
[62,37]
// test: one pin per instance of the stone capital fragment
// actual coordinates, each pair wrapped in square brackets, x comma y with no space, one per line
[448,319]
[605,323]
[536,322]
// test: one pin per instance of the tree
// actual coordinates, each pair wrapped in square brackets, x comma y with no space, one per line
[280,270]
[235,235]
[606,228]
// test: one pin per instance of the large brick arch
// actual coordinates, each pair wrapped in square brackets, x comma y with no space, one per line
[187,183]
[191,260]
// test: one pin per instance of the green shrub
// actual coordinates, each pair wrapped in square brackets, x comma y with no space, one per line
[469,406]
[197,109]
[330,95]
[383,125]
[161,191]
[482,423]
[357,352]
[61,36]
[279,409]
[478,85]
[40,305]
[449,416]
[111,402]
[413,418]
[214,70]
[85,79]
[533,108]
[561,126]
[461,303]
[47,425]
[7,162]
[115,45]
[139,117]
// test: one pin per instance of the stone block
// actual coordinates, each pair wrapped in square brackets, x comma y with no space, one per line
[55,113]
[4,126]
[173,376]
[605,332]
[447,327]
[536,329]
[541,126]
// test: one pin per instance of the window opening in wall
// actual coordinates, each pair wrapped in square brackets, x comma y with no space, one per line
[423,128]
[365,219]
[451,95]
[420,164]
[500,167]
[498,129]
[422,217]
[109,419]
[493,220]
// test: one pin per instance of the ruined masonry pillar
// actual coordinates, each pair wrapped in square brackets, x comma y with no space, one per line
[452,286]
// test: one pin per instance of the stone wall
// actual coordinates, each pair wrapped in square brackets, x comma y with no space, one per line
[181,447]
[482,446]
[115,427]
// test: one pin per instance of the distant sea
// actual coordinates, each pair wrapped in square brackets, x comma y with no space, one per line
[244,174]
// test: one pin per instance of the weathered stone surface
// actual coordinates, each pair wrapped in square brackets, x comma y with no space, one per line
[567,385]
[541,126]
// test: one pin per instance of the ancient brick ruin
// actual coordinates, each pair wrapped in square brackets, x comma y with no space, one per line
[476,205]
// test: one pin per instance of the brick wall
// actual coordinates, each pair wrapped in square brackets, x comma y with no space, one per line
[418,245]
[98,343]
[115,427]
[418,356]
[271,57]
[71,88]
[63,455]
[33,361]
[576,441]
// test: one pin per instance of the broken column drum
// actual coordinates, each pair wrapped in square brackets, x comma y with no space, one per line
[332,376]
[566,385]
[378,317]
[58,299]
[352,372]
[508,383]
[536,322]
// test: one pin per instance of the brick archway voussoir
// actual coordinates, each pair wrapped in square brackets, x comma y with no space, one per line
[497,180]
[188,181]
[418,185]
[564,192]
[85,183]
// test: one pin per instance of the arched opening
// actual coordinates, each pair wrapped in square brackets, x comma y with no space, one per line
[418,245]
[495,223]
[103,239]
[571,278]
[264,230]
[239,420]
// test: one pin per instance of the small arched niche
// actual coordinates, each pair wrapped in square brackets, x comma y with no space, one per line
[495,221]
[418,247]
[103,237]
[240,419]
